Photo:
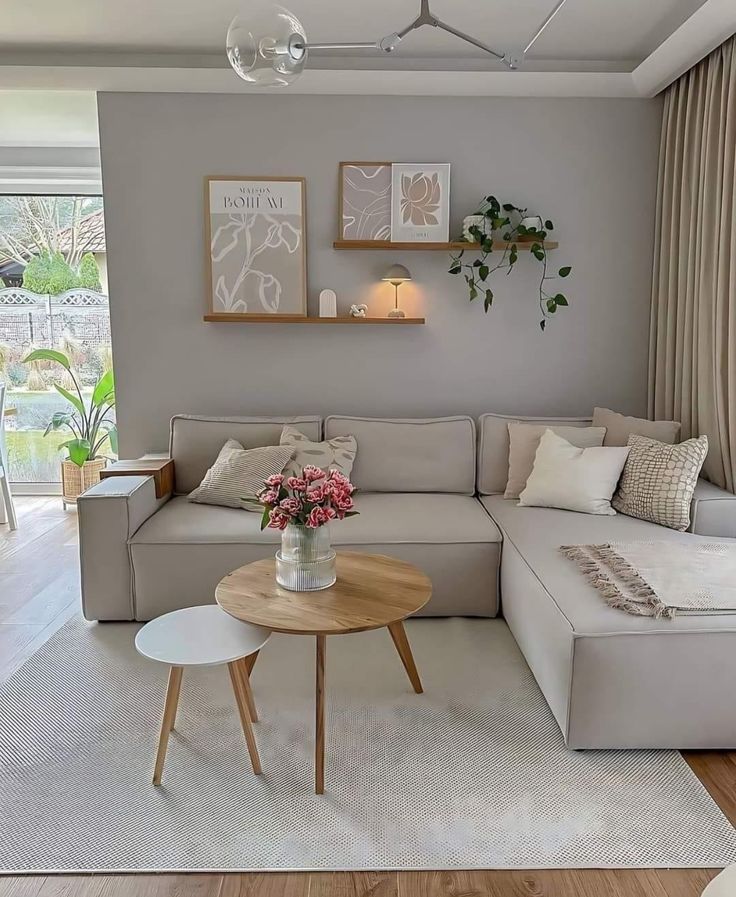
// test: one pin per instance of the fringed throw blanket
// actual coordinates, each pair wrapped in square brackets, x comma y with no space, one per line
[661,579]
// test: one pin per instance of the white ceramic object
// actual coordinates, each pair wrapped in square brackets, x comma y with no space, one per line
[199,636]
[723,885]
[358,311]
[476,221]
[328,304]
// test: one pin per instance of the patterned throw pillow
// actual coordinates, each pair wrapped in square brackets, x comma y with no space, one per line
[659,480]
[238,474]
[337,453]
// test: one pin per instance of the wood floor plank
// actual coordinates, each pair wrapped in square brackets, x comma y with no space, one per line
[21,886]
[266,884]
[353,884]
[717,771]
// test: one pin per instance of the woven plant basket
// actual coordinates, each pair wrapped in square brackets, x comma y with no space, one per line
[75,480]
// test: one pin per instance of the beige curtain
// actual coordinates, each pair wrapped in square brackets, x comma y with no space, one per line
[692,361]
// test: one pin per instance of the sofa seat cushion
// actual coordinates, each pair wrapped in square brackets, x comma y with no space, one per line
[611,679]
[537,533]
[180,554]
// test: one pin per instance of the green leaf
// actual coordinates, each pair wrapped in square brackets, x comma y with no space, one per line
[473,293]
[536,247]
[508,207]
[563,272]
[483,272]
[551,306]
[48,355]
[104,389]
[542,324]
[486,245]
[513,256]
[488,301]
[113,435]
[264,518]
[75,400]
[456,269]
[548,224]
[560,299]
[477,263]
[539,255]
[58,420]
[78,450]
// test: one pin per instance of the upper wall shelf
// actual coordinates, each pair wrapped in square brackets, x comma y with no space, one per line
[435,247]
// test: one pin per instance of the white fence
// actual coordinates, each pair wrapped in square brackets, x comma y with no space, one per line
[28,318]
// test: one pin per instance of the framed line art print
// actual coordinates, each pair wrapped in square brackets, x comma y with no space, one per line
[256,250]
[364,203]
[420,203]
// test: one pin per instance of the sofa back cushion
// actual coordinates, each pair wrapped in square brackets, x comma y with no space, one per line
[493,451]
[196,440]
[412,455]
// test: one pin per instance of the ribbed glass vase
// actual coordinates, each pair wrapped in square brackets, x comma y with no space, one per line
[306,561]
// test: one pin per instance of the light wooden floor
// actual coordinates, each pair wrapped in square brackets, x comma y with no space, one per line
[39,591]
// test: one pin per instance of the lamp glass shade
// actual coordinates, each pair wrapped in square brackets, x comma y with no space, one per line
[267,46]
[397,274]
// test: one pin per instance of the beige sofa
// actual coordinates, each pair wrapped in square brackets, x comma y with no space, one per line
[430,492]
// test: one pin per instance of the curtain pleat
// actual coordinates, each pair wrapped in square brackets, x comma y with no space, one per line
[692,347]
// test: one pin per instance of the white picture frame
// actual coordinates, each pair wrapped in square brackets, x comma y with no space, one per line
[420,202]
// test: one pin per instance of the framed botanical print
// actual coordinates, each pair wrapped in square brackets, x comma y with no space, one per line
[420,203]
[364,204]
[256,245]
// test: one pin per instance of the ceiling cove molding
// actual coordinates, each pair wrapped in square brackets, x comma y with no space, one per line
[707,28]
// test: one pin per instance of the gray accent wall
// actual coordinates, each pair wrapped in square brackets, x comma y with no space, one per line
[589,164]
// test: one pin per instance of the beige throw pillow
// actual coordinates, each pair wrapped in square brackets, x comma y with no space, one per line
[337,453]
[575,479]
[659,480]
[238,474]
[619,427]
[524,442]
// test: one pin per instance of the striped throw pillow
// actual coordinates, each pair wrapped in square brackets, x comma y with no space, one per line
[238,474]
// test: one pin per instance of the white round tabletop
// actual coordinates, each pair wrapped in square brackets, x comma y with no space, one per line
[199,636]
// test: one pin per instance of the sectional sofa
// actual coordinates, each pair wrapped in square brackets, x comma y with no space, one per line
[431,492]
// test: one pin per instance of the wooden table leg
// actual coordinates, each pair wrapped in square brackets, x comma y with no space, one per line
[167,721]
[398,634]
[250,661]
[319,736]
[177,692]
[245,722]
[247,691]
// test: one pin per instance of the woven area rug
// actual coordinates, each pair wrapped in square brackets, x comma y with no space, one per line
[472,774]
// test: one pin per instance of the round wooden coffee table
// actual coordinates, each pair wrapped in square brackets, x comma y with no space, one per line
[371,591]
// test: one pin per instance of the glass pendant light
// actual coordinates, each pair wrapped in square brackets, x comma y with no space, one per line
[267,47]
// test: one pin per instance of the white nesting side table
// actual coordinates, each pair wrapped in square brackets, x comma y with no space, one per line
[204,636]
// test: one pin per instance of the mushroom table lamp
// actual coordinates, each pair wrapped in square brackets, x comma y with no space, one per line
[397,274]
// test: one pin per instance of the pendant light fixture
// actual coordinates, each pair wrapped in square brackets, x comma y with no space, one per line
[270,48]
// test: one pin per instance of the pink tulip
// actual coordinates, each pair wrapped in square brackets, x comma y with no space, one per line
[297,484]
[290,506]
[275,480]
[277,519]
[268,497]
[312,473]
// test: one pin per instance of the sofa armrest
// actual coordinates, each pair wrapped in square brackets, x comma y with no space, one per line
[713,511]
[109,513]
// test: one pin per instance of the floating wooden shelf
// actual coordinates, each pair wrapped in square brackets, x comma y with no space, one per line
[297,319]
[435,247]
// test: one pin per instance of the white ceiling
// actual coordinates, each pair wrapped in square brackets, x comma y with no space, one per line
[624,48]
[584,29]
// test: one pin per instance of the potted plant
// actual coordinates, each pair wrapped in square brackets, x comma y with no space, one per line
[90,425]
[514,225]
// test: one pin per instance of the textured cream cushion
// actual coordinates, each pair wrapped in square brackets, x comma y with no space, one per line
[524,442]
[238,474]
[619,427]
[332,454]
[571,478]
[659,480]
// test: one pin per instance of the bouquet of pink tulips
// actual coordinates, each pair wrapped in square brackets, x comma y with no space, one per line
[312,499]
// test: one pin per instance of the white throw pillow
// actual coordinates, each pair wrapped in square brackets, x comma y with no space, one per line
[575,479]
[524,442]
[337,453]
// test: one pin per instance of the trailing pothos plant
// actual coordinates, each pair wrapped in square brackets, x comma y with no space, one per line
[91,425]
[506,220]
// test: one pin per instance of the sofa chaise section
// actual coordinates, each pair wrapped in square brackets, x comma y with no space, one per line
[612,680]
